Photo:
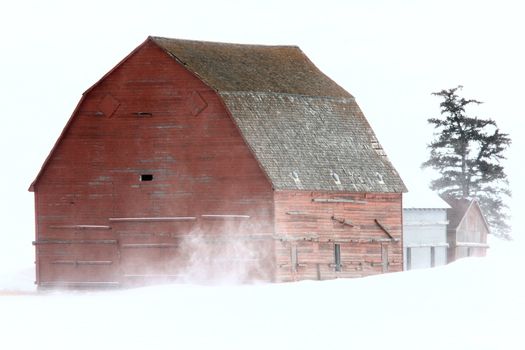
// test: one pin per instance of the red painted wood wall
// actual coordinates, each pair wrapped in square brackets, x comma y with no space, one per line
[207,213]
[310,224]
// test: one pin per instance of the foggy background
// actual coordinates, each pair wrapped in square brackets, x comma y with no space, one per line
[391,55]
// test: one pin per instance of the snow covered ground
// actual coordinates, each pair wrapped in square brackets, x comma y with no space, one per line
[475,303]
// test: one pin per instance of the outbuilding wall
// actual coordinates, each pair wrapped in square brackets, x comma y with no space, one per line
[470,237]
[424,238]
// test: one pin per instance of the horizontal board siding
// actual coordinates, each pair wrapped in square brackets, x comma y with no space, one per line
[305,221]
[168,124]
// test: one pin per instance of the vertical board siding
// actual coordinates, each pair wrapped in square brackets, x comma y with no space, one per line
[306,226]
[168,124]
[472,229]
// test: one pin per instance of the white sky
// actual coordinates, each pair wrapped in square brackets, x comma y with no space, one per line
[389,54]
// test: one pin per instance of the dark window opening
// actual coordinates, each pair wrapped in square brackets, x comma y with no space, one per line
[146,177]
[337,256]
[143,114]
[432,256]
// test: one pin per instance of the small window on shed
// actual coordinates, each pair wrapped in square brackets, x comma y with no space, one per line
[146,177]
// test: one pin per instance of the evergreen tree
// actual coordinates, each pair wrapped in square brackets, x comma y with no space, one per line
[467,153]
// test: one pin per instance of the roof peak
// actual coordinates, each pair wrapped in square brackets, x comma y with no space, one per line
[222,43]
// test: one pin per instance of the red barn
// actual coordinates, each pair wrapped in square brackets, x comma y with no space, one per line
[203,161]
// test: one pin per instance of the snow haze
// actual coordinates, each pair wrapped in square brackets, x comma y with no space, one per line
[470,304]
[391,55]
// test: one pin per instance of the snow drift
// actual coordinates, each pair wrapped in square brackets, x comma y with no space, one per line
[475,303]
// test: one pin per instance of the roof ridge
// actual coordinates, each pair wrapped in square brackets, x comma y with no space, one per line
[223,42]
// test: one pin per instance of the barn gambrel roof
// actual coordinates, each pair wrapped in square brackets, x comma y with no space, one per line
[306,131]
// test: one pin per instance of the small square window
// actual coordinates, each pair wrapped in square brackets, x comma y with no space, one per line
[146,177]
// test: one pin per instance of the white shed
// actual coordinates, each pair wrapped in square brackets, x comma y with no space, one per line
[424,229]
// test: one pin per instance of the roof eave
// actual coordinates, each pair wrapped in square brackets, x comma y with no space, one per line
[55,146]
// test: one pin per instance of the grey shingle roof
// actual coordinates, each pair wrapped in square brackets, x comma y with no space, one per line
[239,67]
[306,131]
[317,140]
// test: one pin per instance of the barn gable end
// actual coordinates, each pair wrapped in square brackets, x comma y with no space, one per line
[149,158]
[196,160]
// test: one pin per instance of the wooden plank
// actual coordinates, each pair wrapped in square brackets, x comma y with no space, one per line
[337,200]
[81,227]
[358,240]
[154,219]
[82,262]
[150,245]
[384,258]
[75,241]
[343,221]
[297,238]
[385,230]
[225,216]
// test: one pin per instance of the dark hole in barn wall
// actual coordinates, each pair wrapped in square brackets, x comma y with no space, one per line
[146,177]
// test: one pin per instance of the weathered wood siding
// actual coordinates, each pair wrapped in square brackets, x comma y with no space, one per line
[98,222]
[470,237]
[308,225]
